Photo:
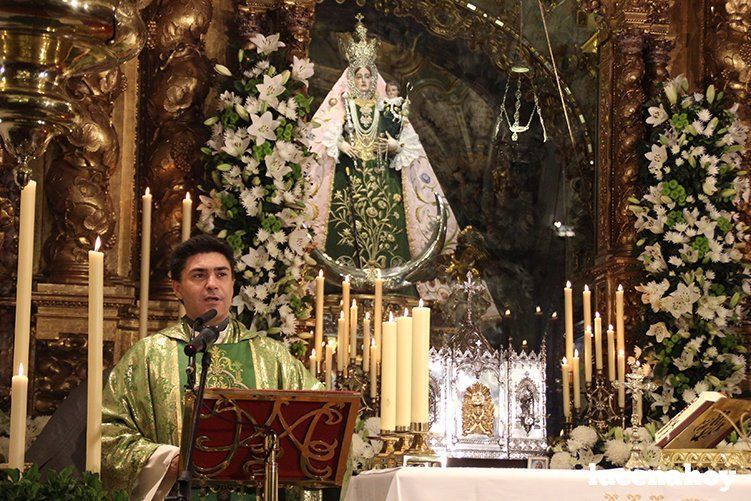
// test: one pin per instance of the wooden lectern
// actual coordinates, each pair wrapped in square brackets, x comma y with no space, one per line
[263,438]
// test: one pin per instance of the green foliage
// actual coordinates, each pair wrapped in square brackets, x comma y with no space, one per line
[57,486]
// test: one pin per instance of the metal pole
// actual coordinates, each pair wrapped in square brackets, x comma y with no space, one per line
[271,479]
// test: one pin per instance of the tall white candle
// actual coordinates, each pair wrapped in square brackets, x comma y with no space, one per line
[341,360]
[420,369]
[143,298]
[328,363]
[566,391]
[388,375]
[366,347]
[587,354]
[620,334]
[95,367]
[373,371]
[404,371]
[353,331]
[344,346]
[313,363]
[569,310]
[18,397]
[378,316]
[25,264]
[621,379]
[611,353]
[187,217]
[577,384]
[598,341]
[587,306]
[318,340]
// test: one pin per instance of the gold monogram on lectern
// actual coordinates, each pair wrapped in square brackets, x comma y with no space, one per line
[478,412]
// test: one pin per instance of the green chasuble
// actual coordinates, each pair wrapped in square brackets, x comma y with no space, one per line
[373,190]
[143,396]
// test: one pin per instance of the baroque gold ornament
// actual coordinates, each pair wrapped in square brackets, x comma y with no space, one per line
[44,43]
[478,412]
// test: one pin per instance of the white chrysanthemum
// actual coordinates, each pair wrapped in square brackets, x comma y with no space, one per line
[562,461]
[584,435]
[617,451]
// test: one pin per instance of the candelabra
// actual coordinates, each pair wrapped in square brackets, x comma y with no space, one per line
[637,382]
[600,394]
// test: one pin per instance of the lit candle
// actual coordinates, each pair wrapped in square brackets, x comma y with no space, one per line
[598,341]
[588,354]
[187,217]
[378,316]
[404,371]
[508,328]
[620,335]
[313,364]
[611,353]
[344,347]
[318,340]
[94,384]
[420,369]
[569,310]
[621,379]
[366,346]
[340,358]
[388,375]
[143,299]
[18,396]
[577,385]
[352,340]
[587,306]
[23,277]
[330,346]
[566,396]
[373,371]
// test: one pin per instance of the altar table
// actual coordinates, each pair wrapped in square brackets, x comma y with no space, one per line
[496,484]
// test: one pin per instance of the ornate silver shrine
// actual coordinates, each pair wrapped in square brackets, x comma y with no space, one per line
[486,403]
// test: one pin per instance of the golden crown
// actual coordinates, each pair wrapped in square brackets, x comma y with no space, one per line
[361,52]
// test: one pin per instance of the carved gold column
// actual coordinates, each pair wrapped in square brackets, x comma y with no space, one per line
[298,17]
[77,180]
[727,63]
[176,81]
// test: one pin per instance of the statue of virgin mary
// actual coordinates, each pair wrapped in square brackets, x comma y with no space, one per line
[373,188]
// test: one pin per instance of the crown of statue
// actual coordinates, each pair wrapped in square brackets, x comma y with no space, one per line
[361,52]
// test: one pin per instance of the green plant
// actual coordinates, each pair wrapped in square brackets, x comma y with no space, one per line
[57,486]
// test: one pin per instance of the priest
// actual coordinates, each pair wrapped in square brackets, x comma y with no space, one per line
[143,396]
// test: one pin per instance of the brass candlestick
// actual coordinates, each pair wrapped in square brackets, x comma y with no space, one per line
[601,412]
[420,453]
[387,457]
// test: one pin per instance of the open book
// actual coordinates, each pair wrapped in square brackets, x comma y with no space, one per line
[704,423]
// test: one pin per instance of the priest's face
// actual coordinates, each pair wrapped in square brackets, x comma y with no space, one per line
[362,79]
[206,283]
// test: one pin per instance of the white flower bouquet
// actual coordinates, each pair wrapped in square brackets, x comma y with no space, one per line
[691,244]
[255,192]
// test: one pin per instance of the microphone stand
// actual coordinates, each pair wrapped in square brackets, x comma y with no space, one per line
[181,490]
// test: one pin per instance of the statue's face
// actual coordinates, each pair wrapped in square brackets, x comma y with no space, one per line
[363,79]
[392,91]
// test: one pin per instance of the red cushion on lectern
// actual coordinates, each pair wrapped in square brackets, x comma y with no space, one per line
[314,428]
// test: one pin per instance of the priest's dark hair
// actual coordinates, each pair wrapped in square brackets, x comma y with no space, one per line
[199,244]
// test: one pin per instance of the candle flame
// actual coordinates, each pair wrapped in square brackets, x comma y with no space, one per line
[586,288]
[320,273]
[524,342]
[313,353]
[97,244]
[620,288]
[564,361]
[538,309]
[346,278]
[554,315]
[588,328]
[508,312]
[568,284]
[576,353]
[610,327]
[372,342]
[341,315]
[20,369]
[391,316]
[148,191]
[378,274]
[187,195]
[367,315]
[406,313]
[621,353]
[354,303]
[332,343]
[597,314]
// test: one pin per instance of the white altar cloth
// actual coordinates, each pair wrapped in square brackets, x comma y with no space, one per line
[507,484]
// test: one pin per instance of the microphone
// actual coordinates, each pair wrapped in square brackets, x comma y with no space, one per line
[202,341]
[200,321]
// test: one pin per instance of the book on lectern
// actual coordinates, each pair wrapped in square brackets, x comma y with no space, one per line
[704,423]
